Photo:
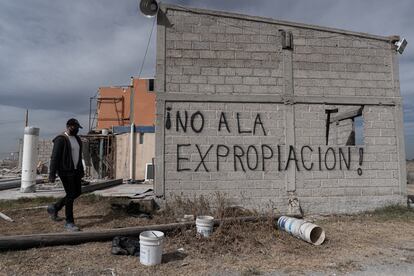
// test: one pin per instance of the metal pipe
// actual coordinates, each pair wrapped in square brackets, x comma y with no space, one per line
[52,239]
[132,135]
[101,156]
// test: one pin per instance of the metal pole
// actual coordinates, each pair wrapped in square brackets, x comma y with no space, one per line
[101,156]
[132,135]
[27,118]
[90,113]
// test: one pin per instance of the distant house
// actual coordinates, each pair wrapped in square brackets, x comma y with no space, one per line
[113,112]
[114,105]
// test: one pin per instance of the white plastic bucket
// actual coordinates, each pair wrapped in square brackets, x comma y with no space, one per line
[304,230]
[205,225]
[150,247]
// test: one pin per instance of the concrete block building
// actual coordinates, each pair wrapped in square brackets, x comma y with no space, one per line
[267,111]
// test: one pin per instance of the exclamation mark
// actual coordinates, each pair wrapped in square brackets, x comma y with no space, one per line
[361,160]
[168,121]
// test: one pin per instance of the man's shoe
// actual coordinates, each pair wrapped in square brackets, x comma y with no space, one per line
[71,227]
[51,210]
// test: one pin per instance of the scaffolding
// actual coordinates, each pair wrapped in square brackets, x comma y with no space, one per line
[95,116]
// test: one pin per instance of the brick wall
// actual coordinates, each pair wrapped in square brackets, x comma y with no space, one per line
[254,114]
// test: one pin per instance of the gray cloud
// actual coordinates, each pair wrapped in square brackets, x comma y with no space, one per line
[55,54]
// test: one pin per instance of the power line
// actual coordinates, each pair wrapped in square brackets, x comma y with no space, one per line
[146,50]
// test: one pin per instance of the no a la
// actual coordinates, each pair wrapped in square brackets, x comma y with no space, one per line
[196,122]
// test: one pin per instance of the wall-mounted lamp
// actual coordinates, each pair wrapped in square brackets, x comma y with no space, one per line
[149,7]
[401,44]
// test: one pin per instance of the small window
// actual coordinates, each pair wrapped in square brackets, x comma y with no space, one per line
[150,85]
[359,130]
[345,127]
[141,138]
[149,172]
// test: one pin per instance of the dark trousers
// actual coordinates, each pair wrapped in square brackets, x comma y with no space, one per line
[73,189]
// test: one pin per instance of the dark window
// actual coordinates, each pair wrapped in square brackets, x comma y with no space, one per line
[150,171]
[150,85]
[141,138]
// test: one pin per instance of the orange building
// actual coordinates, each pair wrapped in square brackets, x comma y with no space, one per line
[113,106]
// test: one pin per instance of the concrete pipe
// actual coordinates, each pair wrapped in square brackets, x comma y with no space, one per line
[304,230]
[30,153]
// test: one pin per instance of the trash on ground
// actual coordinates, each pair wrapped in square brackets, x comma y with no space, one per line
[132,208]
[125,246]
[3,216]
[302,229]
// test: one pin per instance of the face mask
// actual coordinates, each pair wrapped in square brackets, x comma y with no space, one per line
[73,131]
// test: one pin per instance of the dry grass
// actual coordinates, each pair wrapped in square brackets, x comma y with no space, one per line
[216,205]
[241,248]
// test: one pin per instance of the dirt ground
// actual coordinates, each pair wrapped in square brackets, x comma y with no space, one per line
[353,243]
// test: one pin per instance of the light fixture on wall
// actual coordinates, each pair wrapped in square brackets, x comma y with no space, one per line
[401,44]
[149,7]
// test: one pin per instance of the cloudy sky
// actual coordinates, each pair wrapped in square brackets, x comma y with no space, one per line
[54,54]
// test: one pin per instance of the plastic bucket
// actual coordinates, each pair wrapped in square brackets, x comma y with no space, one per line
[150,247]
[205,225]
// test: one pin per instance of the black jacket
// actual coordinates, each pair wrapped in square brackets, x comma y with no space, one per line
[61,160]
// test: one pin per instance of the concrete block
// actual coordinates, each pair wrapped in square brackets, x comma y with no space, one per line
[228,72]
[225,54]
[216,46]
[188,87]
[209,71]
[233,80]
[198,79]
[200,45]
[190,37]
[208,54]
[206,88]
[251,80]
[215,80]
[224,88]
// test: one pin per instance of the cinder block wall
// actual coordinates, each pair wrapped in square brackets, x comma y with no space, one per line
[239,114]
[45,151]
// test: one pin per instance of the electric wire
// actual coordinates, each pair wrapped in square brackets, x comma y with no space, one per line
[148,44]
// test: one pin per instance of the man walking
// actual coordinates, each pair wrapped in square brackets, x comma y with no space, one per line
[66,161]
